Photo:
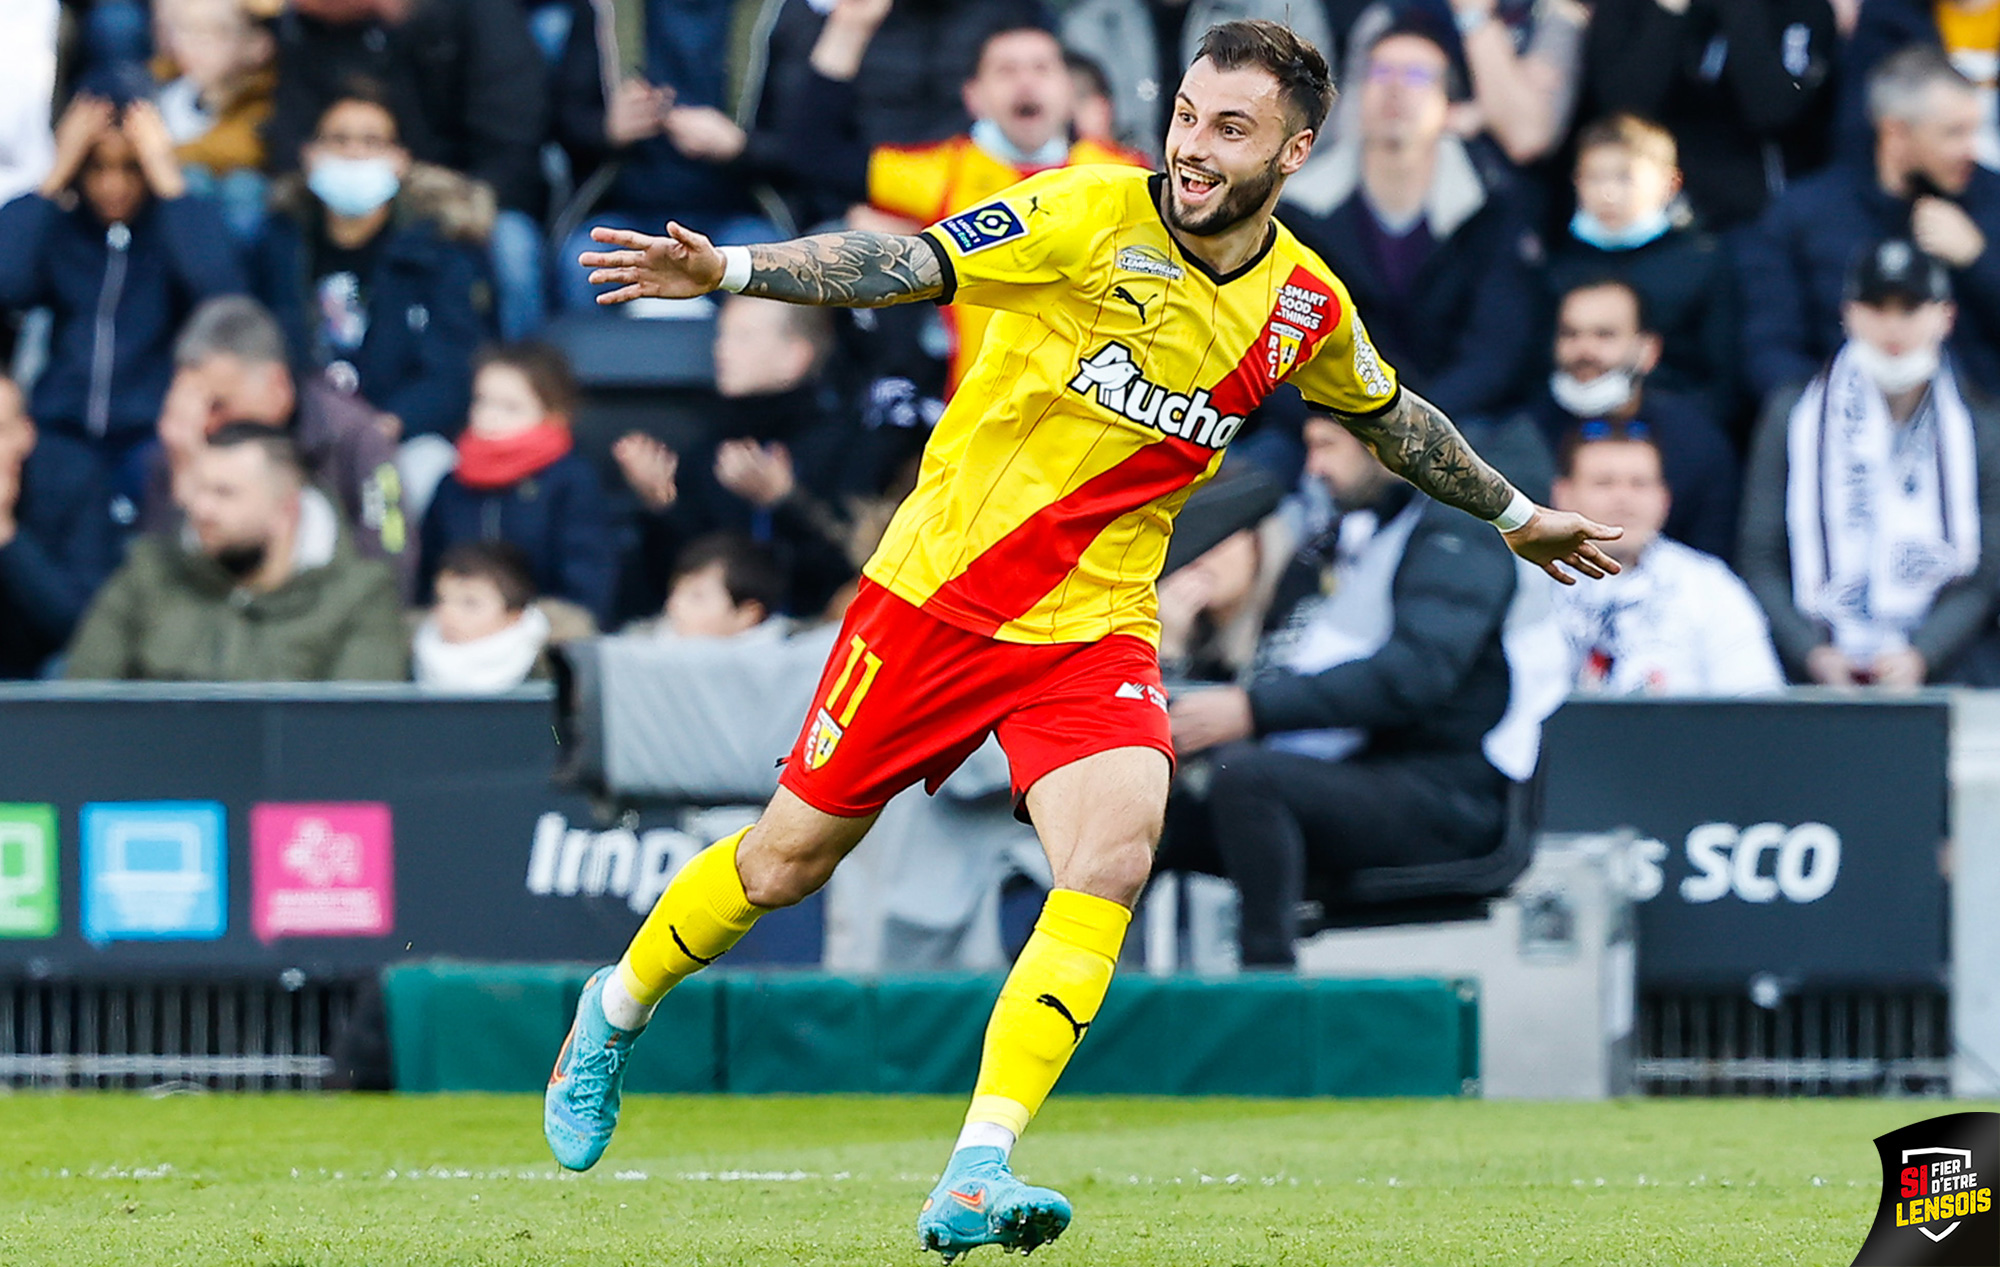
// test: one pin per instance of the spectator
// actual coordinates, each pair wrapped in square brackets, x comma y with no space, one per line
[371,264]
[27,87]
[1675,621]
[56,539]
[468,87]
[262,587]
[1966,31]
[1733,80]
[783,460]
[724,586]
[1605,354]
[1096,116]
[1525,58]
[518,480]
[1427,240]
[1873,501]
[230,366]
[1627,186]
[1398,708]
[1021,100]
[218,102]
[1211,613]
[1113,55]
[1924,185]
[120,252]
[484,633]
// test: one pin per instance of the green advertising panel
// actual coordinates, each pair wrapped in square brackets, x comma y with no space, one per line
[27,870]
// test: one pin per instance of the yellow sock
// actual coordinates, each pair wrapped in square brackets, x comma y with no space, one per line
[1049,1000]
[703,913]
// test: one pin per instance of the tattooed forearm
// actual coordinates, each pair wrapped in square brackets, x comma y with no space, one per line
[850,270]
[1414,439]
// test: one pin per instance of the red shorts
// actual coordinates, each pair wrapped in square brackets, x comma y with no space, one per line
[906,696]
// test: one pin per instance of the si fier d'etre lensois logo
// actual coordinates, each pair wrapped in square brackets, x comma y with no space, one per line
[1937,1195]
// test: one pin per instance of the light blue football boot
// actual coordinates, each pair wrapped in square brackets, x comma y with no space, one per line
[581,1108]
[980,1202]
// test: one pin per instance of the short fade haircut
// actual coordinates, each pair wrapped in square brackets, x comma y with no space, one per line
[543,365]
[500,562]
[750,572]
[231,325]
[1605,431]
[278,447]
[1641,138]
[1901,86]
[1303,79]
[999,29]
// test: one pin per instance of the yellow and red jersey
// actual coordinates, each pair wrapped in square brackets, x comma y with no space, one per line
[926,183]
[1115,371]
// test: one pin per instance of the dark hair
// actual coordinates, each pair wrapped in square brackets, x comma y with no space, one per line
[998,29]
[543,365]
[1604,431]
[1301,72]
[500,562]
[277,445]
[1418,24]
[1089,69]
[750,572]
[369,91]
[1611,281]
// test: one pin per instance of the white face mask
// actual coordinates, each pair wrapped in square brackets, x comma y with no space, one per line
[1604,394]
[1895,374]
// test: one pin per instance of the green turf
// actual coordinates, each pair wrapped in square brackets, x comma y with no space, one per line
[704,1182]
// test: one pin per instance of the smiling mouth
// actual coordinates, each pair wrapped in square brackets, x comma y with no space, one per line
[1193,185]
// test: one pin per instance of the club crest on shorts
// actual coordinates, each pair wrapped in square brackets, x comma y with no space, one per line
[822,740]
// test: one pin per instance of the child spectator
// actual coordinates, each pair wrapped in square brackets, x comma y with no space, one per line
[484,632]
[724,585]
[1628,184]
[215,98]
[518,481]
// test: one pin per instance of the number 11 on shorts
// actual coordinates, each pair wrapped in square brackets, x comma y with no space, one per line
[827,730]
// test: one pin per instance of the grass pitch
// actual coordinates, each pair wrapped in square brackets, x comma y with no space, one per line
[306,1181]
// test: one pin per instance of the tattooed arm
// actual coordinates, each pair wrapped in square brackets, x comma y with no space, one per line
[1413,438]
[851,270]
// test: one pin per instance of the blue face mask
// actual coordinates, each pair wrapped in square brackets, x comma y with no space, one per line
[1587,229]
[986,134]
[353,186]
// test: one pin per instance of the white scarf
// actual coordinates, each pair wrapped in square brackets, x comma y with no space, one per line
[497,662]
[1880,516]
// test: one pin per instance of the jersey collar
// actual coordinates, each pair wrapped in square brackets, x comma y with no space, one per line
[1157,184]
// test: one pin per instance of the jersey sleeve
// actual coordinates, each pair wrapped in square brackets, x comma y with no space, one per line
[1345,373]
[1010,251]
[908,180]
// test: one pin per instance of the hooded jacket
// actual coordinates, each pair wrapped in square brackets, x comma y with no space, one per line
[429,299]
[172,614]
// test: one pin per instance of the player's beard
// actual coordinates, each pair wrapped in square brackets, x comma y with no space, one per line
[1244,199]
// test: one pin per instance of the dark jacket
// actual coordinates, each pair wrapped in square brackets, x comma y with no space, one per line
[1696,457]
[464,77]
[1687,282]
[429,302]
[1731,121]
[1962,611]
[1441,681]
[171,614]
[1792,263]
[109,380]
[63,548]
[557,518]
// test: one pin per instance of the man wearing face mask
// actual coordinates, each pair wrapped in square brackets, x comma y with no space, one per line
[372,265]
[262,585]
[1871,515]
[1605,349]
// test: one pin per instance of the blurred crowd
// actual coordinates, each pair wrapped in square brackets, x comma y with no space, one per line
[285,284]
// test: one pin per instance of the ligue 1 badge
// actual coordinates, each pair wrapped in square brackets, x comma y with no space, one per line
[1937,1195]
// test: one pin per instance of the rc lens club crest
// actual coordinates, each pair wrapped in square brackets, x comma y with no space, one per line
[1937,1195]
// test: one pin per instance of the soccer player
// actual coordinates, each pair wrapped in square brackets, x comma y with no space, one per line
[1138,319]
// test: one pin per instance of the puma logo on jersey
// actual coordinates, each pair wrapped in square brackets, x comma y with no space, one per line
[1051,1001]
[1119,292]
[1116,382]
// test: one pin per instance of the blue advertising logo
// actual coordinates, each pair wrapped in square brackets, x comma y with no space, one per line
[153,870]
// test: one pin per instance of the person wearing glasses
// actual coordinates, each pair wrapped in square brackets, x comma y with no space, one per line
[1605,349]
[1425,230]
[373,264]
[1675,621]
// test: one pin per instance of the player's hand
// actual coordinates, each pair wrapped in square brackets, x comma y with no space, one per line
[649,467]
[680,265]
[1555,539]
[1210,717]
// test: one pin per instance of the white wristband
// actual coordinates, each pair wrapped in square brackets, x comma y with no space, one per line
[735,269]
[1518,512]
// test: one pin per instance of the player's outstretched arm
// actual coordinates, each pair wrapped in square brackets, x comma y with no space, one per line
[850,270]
[1414,439]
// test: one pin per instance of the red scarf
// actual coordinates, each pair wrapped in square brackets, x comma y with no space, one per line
[487,463]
